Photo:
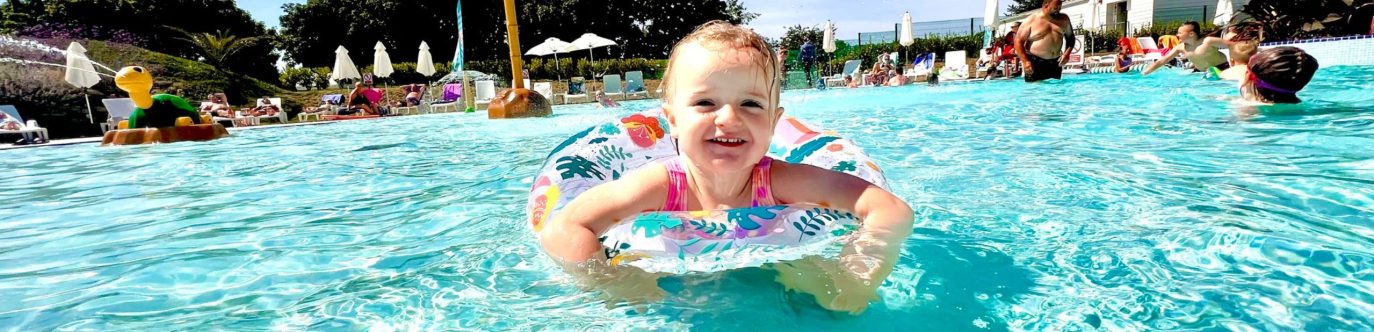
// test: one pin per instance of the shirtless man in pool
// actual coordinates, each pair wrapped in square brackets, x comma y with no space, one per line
[1040,43]
[1203,53]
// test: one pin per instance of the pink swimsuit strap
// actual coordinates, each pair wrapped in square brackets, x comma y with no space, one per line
[761,182]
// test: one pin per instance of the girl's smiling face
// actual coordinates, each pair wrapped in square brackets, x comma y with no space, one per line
[722,106]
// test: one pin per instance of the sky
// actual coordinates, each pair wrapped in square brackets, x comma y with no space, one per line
[850,16]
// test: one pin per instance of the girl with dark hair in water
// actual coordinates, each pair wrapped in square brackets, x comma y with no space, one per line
[1277,74]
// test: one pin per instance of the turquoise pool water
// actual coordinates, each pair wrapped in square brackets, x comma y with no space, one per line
[1098,202]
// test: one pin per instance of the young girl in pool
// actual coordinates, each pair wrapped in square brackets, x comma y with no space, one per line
[720,97]
[1276,75]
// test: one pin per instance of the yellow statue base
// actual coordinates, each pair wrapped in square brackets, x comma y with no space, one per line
[183,131]
[518,103]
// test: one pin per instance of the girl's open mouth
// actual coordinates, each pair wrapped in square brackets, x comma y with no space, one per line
[728,142]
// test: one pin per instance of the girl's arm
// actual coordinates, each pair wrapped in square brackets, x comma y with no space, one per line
[886,222]
[570,236]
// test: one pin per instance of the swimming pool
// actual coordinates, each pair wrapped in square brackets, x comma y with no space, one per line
[1102,201]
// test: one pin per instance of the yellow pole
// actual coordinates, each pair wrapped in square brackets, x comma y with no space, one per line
[514,38]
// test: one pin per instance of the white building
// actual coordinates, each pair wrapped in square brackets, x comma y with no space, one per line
[1131,14]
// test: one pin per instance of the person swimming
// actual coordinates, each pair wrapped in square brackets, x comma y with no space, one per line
[1242,41]
[604,101]
[1041,41]
[720,100]
[1276,75]
[1203,52]
[1123,60]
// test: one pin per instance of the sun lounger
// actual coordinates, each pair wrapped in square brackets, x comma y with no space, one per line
[449,98]
[28,127]
[486,90]
[921,66]
[1152,51]
[119,109]
[610,84]
[634,84]
[851,67]
[576,91]
[281,111]
[956,66]
[544,89]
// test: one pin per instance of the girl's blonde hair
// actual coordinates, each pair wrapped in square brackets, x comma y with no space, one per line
[717,35]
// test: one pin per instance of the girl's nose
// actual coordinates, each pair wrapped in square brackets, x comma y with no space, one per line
[727,116]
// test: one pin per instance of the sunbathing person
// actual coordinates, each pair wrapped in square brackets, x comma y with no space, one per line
[265,107]
[217,106]
[357,99]
[1203,53]
[413,94]
[8,123]
[1041,42]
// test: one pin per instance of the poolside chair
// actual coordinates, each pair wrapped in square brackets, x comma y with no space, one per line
[956,66]
[610,84]
[119,109]
[1152,51]
[634,84]
[27,127]
[281,111]
[544,89]
[335,104]
[412,109]
[851,67]
[486,90]
[576,90]
[921,66]
[449,98]
[984,63]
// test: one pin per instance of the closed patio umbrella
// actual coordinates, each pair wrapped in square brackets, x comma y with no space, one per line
[381,61]
[81,73]
[828,42]
[1224,12]
[989,22]
[343,66]
[425,62]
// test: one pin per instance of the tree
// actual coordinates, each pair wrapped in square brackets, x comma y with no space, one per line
[312,30]
[216,48]
[1021,6]
[796,35]
[1290,19]
[146,22]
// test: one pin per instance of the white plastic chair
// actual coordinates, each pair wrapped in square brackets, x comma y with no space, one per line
[30,127]
[281,111]
[544,89]
[119,109]
[1152,51]
[956,66]
[851,67]
[486,90]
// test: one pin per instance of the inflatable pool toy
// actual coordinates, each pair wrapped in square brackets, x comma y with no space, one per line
[697,241]
[160,118]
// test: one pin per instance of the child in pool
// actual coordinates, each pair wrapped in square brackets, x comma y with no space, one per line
[1277,74]
[720,98]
